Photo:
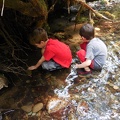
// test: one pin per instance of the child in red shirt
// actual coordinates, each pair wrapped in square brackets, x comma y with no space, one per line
[55,54]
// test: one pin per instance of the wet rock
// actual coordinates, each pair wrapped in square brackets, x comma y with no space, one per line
[91,90]
[82,108]
[37,107]
[33,114]
[103,38]
[3,81]
[30,113]
[56,107]
[27,108]
[72,116]
[74,8]
[75,97]
[109,38]
[27,81]
[112,85]
[115,87]
[38,114]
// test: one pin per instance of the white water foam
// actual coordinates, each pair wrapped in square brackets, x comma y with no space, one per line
[70,78]
[103,105]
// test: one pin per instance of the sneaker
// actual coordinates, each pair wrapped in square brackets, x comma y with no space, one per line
[81,71]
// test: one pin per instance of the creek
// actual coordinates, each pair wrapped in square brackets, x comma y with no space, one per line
[64,95]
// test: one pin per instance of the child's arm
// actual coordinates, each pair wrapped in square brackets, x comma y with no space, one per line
[42,59]
[84,64]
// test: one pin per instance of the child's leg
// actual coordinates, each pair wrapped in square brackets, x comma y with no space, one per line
[51,65]
[81,55]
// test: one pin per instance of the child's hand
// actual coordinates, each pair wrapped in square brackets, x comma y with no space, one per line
[76,66]
[31,68]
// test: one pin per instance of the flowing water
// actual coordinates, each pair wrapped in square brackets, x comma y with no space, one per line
[101,93]
[92,97]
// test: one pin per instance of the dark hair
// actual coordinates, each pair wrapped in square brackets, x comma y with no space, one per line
[38,35]
[87,31]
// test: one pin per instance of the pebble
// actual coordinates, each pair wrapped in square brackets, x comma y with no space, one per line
[90,90]
[30,113]
[3,81]
[37,107]
[33,114]
[27,108]
[115,87]
[112,85]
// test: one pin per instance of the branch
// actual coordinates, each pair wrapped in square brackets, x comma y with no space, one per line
[94,11]
[52,7]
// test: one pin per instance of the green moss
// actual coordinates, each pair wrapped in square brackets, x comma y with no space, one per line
[82,19]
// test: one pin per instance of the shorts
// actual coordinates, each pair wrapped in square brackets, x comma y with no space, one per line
[51,65]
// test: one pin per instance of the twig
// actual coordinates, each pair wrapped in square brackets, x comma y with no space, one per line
[94,11]
[52,7]
[2,8]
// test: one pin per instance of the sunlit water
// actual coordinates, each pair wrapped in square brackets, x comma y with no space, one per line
[103,103]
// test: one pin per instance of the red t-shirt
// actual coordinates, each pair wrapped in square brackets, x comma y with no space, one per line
[59,52]
[83,45]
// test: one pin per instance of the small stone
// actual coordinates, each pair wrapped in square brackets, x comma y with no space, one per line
[27,108]
[37,107]
[3,81]
[97,29]
[38,114]
[103,38]
[110,84]
[33,114]
[115,87]
[90,90]
[27,81]
[30,113]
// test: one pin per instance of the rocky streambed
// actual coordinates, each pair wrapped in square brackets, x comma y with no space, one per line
[64,95]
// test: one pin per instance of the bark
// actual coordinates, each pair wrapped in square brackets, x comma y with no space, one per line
[94,11]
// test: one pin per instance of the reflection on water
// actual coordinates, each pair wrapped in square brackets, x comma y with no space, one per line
[101,92]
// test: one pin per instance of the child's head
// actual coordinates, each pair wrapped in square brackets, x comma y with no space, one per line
[38,35]
[87,31]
